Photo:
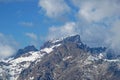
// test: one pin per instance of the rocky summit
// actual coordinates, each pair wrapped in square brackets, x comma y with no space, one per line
[63,59]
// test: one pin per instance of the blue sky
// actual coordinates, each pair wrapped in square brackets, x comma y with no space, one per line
[20,17]
[27,22]
[13,14]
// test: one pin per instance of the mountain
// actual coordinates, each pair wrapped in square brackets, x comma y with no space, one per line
[62,59]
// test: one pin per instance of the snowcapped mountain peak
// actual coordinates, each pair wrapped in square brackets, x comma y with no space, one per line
[49,49]
[73,39]
[54,58]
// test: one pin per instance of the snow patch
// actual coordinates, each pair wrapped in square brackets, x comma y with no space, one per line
[21,63]
[66,58]
[92,58]
[113,60]
[100,56]
[49,50]
[31,78]
[32,57]
[55,41]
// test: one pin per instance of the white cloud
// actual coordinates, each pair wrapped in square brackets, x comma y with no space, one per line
[27,24]
[6,51]
[114,37]
[56,32]
[54,8]
[97,10]
[93,34]
[7,46]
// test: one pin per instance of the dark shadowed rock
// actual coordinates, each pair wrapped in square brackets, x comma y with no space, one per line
[25,50]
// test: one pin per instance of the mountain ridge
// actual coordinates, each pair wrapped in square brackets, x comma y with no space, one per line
[56,58]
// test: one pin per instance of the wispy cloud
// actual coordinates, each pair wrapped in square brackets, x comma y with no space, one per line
[31,35]
[27,24]
[34,40]
[7,46]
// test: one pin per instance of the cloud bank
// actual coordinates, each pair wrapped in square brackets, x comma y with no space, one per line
[7,46]
[97,10]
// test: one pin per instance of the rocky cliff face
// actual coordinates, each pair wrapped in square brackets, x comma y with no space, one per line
[65,59]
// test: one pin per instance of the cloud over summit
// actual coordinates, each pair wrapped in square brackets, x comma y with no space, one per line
[97,21]
[62,31]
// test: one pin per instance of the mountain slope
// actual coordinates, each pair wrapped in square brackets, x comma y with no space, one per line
[12,67]
[64,59]
[72,60]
